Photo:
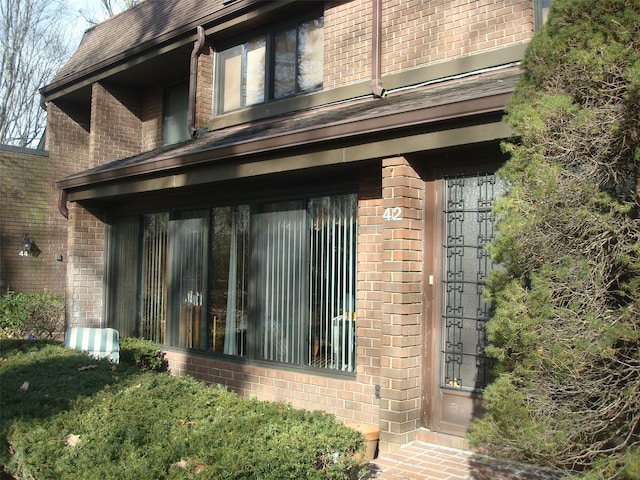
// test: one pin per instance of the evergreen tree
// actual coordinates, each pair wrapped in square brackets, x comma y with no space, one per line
[566,328]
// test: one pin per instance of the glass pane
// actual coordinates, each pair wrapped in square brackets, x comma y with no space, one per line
[229,277]
[468,227]
[230,79]
[331,331]
[153,277]
[285,64]
[281,283]
[176,106]
[187,279]
[310,54]
[254,72]
[122,275]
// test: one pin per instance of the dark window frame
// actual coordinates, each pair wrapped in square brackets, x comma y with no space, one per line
[269,87]
[201,342]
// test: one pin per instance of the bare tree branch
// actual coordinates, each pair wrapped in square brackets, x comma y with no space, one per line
[33,49]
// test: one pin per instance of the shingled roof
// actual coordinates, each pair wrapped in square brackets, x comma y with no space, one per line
[145,25]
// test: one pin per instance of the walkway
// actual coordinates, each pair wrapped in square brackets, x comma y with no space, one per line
[426,461]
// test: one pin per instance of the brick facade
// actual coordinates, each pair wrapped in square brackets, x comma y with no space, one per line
[402,310]
[415,34]
[29,207]
[387,387]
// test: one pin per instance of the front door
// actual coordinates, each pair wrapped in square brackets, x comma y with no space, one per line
[460,223]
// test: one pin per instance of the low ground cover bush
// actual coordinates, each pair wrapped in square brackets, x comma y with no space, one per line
[65,415]
[38,315]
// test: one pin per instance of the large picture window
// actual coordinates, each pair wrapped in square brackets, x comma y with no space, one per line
[271,282]
[275,65]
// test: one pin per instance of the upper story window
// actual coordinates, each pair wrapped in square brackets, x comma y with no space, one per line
[275,65]
[541,12]
[174,119]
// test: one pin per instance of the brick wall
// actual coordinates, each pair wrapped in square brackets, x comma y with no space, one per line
[204,90]
[29,206]
[116,123]
[347,43]
[402,308]
[419,33]
[346,398]
[85,268]
[152,119]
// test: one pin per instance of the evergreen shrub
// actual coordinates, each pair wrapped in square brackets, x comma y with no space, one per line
[80,418]
[566,327]
[33,315]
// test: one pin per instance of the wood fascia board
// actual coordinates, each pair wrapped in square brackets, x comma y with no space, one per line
[217,172]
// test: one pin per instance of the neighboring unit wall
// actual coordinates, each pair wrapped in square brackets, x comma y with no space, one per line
[29,207]
[152,119]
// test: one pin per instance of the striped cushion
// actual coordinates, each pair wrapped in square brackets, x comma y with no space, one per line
[97,342]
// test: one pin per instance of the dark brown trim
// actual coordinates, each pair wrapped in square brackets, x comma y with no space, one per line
[376,42]
[62,204]
[198,49]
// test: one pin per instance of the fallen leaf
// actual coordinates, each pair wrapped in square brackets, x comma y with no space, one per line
[182,465]
[71,440]
[87,367]
[24,387]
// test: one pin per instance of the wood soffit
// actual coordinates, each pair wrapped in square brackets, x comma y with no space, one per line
[467,101]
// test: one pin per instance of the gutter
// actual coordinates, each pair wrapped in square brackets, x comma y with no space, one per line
[376,81]
[199,48]
[62,204]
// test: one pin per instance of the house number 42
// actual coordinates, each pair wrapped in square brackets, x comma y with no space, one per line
[392,214]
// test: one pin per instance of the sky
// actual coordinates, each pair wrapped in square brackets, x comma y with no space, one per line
[78,11]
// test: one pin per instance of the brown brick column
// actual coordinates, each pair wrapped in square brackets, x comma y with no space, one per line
[85,268]
[115,132]
[369,301]
[402,311]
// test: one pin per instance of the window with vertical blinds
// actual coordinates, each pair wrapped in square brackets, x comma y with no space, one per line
[273,282]
[153,277]
[305,282]
[121,275]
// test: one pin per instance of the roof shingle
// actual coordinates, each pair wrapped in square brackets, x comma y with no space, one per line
[134,30]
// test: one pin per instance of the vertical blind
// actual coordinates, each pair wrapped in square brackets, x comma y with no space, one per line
[121,275]
[332,286]
[283,291]
[153,296]
[305,284]
[188,230]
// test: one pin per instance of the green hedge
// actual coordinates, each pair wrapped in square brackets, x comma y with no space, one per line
[33,315]
[81,419]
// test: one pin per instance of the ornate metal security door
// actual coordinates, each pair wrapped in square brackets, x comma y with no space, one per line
[460,368]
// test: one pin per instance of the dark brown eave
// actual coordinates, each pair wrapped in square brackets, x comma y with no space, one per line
[403,123]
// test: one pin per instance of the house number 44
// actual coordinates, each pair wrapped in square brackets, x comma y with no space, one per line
[392,214]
